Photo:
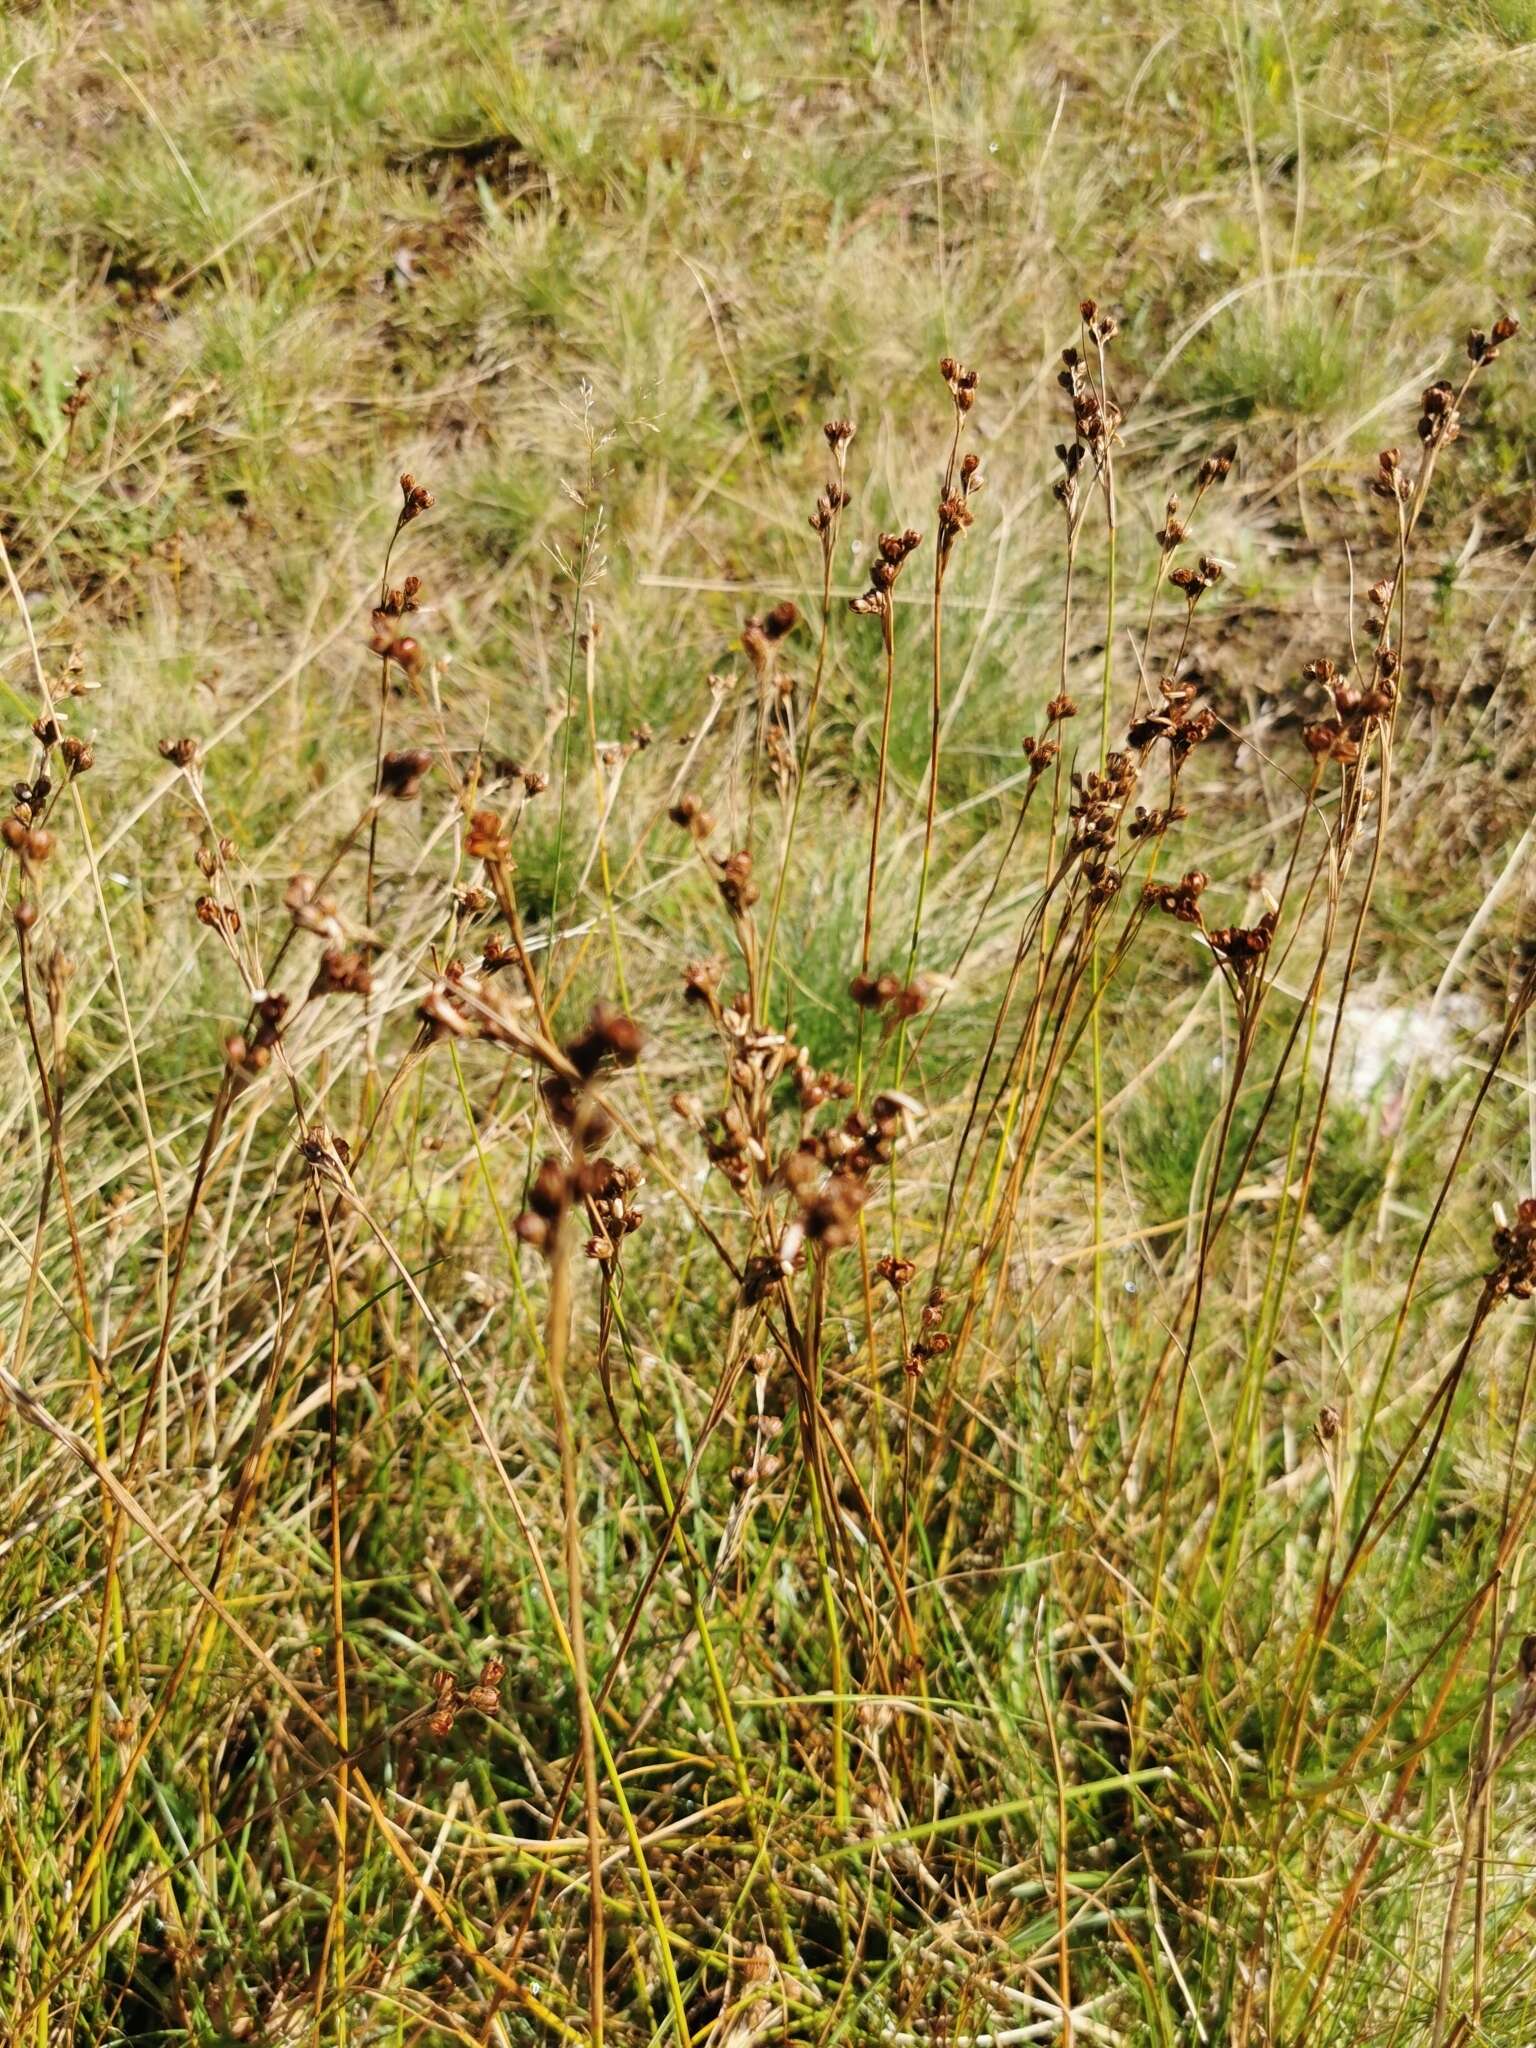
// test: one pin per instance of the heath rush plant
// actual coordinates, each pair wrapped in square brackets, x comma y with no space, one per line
[639,1463]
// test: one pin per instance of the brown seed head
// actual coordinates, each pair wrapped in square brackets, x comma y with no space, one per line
[1216,468]
[414,498]
[737,888]
[486,839]
[342,974]
[839,433]
[401,775]
[1514,1246]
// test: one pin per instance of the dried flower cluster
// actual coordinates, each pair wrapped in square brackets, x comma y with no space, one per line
[892,552]
[1356,711]
[449,1699]
[1514,1249]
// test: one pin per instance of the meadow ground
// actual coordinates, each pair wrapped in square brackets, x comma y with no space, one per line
[995,1511]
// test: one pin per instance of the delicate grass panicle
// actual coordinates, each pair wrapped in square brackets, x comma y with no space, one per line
[751,1404]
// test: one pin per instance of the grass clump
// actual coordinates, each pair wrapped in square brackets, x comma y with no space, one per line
[780,1352]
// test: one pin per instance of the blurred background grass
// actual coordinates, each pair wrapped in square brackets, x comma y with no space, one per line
[642,251]
[301,248]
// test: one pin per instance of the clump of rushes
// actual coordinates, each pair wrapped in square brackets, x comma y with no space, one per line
[914,1541]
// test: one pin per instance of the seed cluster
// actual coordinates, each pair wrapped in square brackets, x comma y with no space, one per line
[892,552]
[1514,1248]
